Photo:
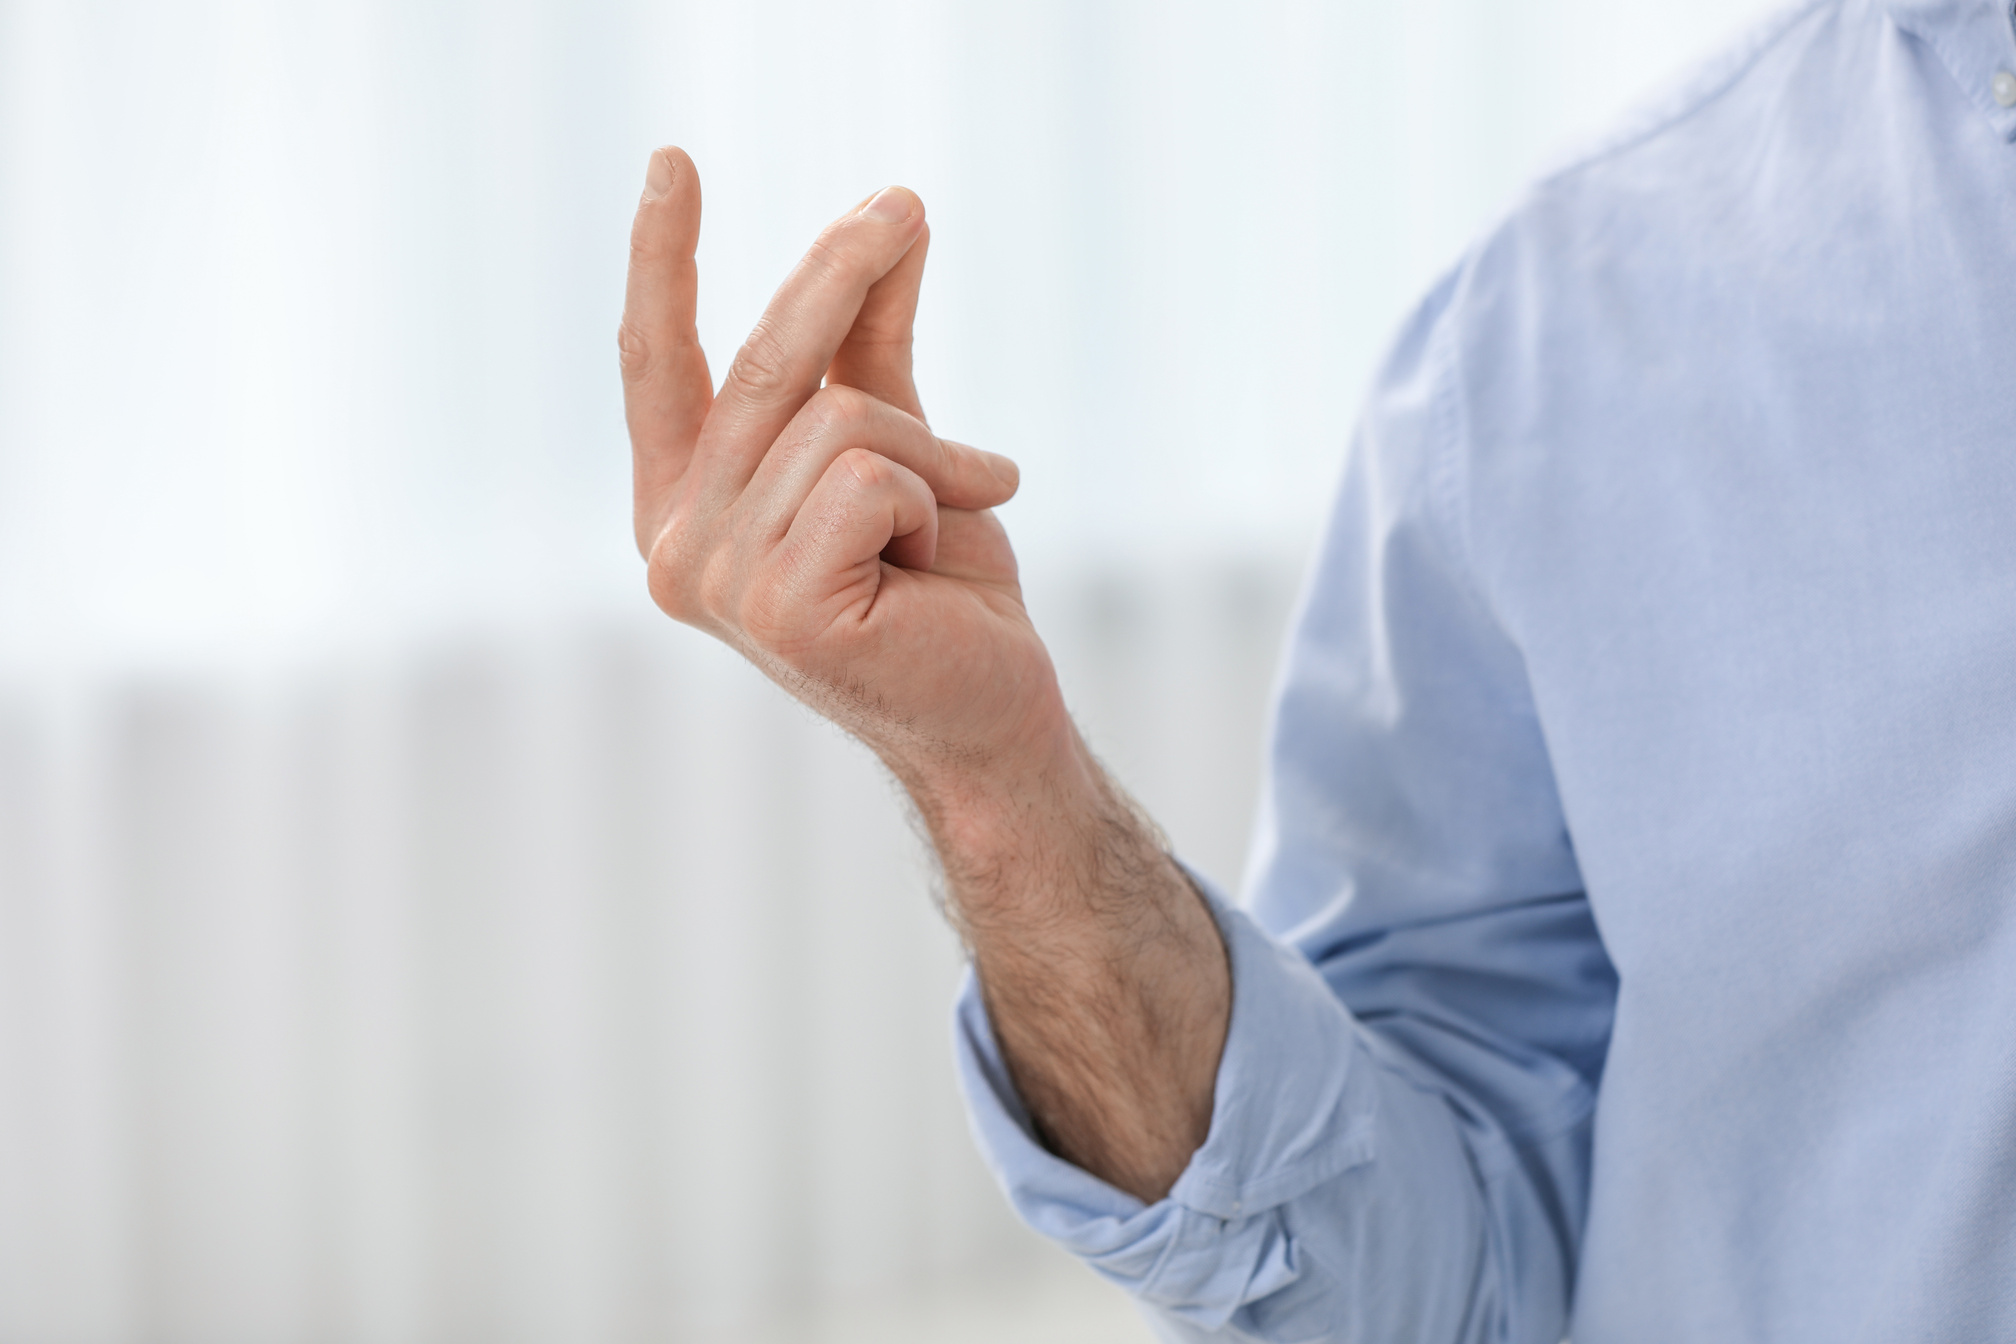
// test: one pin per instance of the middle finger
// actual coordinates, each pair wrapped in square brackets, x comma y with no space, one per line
[780,365]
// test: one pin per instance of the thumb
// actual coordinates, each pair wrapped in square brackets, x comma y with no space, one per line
[875,356]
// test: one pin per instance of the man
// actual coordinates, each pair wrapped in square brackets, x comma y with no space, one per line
[1632,942]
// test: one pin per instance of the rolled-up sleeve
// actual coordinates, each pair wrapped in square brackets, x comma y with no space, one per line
[1400,1140]
[1300,1104]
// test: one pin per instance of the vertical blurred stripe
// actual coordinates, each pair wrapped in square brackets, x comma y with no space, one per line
[578,986]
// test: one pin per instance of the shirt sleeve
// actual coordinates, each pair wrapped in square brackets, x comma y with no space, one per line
[1399,1146]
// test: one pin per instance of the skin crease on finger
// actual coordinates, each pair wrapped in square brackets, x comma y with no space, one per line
[837,419]
[806,515]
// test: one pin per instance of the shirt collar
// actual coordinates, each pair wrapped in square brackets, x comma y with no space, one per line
[1977,41]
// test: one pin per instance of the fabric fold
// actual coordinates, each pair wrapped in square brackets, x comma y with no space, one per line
[1217,1242]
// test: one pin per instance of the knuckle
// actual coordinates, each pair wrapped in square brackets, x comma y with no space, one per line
[761,371]
[848,402]
[865,469]
[665,574]
[716,590]
[643,256]
[774,616]
[822,416]
[670,591]
[667,593]
[702,578]
[833,411]
[829,254]
[763,617]
[633,352]
[648,248]
[885,330]
[673,566]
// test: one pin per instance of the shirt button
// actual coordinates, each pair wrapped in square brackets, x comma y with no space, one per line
[2004,87]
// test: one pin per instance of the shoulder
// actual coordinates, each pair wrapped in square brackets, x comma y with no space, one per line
[1742,81]
[1667,178]
[1605,277]
[1634,238]
[1683,152]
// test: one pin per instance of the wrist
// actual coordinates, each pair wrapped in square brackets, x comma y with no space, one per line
[1051,852]
[1022,829]
[984,806]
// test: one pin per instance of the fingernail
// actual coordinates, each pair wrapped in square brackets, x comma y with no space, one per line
[891,205]
[658,177]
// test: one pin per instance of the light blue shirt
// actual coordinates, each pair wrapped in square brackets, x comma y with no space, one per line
[1630,944]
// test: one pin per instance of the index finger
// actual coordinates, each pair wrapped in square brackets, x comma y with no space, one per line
[779,367]
[666,386]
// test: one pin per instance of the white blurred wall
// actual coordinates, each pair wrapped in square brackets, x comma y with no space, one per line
[404,936]
[575,987]
[306,309]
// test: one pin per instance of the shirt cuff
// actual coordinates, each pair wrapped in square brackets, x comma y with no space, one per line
[1292,1108]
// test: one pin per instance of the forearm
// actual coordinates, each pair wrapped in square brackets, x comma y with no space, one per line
[808,515]
[1102,969]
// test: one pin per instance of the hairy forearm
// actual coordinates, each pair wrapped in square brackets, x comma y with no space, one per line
[1102,969]
[806,514]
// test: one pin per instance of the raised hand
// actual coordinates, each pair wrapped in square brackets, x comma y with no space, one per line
[810,518]
[824,530]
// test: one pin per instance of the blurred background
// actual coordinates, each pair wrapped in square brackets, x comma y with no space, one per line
[405,935]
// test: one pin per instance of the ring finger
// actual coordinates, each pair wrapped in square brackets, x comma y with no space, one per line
[839,419]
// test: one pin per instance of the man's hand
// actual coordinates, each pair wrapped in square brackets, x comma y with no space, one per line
[808,516]
[825,531]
